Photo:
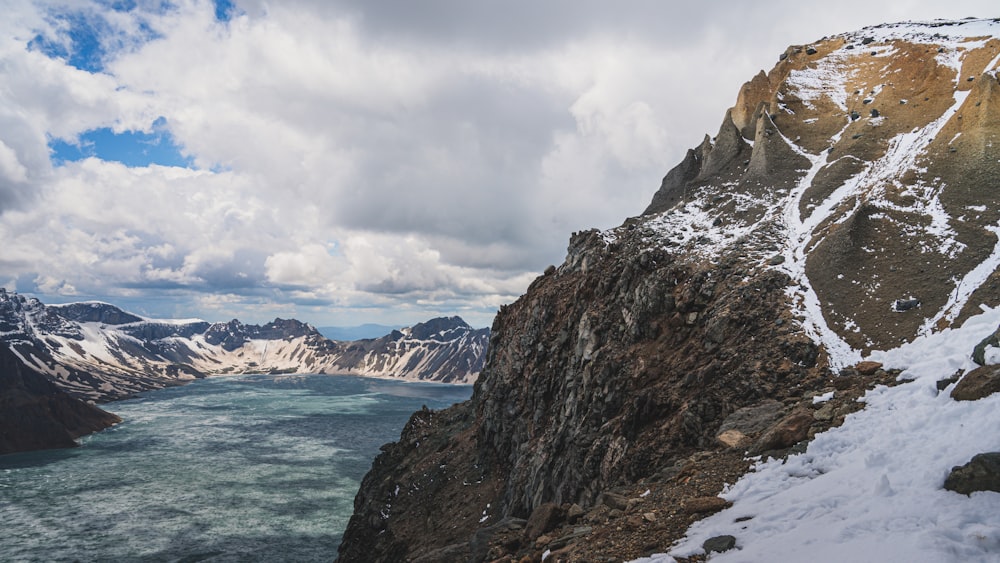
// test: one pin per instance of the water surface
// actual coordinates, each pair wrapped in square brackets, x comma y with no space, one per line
[247,468]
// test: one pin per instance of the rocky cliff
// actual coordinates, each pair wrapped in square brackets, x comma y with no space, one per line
[846,205]
[35,414]
[99,352]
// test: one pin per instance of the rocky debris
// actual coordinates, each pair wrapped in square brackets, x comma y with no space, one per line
[982,473]
[425,495]
[478,548]
[978,383]
[719,544]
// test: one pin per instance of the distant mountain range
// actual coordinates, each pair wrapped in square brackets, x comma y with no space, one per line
[98,352]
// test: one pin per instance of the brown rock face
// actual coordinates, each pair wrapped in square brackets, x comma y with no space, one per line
[618,364]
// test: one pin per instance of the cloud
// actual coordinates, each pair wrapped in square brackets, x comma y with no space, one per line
[357,161]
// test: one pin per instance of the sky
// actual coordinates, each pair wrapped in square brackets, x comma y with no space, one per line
[346,162]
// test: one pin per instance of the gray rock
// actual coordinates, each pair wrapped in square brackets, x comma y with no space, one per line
[979,352]
[982,473]
[943,384]
[718,544]
[751,422]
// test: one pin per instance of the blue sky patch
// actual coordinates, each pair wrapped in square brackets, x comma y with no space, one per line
[224,10]
[131,148]
[86,39]
[79,44]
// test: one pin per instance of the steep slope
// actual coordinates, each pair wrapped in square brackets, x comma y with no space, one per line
[846,205]
[98,352]
[865,163]
[35,414]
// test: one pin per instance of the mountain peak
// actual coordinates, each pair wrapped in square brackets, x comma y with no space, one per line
[96,312]
[437,326]
[849,163]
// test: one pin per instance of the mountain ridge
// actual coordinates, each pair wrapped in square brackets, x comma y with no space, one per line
[844,207]
[99,352]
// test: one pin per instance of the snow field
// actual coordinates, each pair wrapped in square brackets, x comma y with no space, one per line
[871,490]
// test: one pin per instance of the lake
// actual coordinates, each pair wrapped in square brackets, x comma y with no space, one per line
[242,468]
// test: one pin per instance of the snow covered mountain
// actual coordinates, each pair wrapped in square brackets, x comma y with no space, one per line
[98,352]
[783,326]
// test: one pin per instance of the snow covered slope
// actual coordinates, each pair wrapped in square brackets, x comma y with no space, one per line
[889,228]
[871,490]
[99,352]
[864,166]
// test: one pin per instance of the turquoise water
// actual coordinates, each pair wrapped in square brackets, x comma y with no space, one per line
[249,468]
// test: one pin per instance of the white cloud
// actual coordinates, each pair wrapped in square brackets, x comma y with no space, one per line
[359,163]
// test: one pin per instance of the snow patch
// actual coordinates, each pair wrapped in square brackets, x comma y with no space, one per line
[896,453]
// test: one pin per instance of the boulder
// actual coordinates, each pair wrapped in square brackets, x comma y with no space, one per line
[786,433]
[734,439]
[718,544]
[574,513]
[743,426]
[613,501]
[982,473]
[701,505]
[868,367]
[978,383]
[543,519]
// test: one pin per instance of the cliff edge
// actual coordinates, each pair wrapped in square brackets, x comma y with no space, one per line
[847,204]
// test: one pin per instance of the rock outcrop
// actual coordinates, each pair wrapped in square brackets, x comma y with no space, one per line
[982,473]
[858,173]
